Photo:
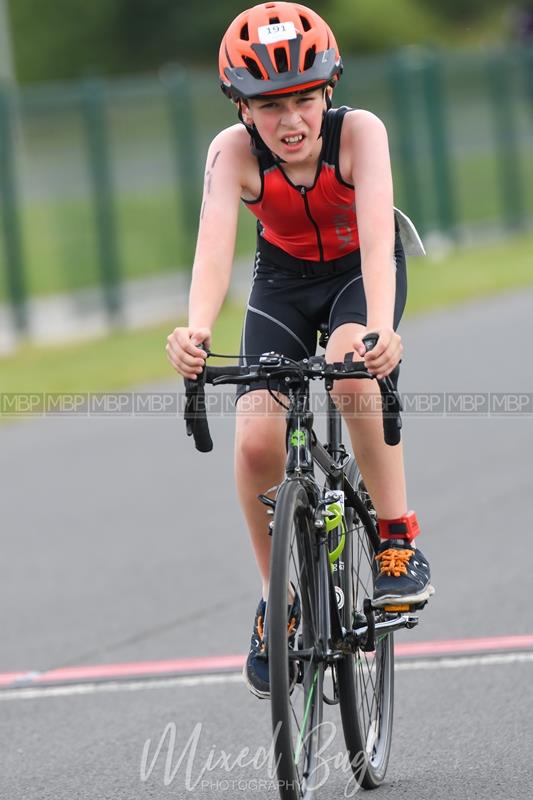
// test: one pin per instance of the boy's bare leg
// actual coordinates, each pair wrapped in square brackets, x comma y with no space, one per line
[381,465]
[259,464]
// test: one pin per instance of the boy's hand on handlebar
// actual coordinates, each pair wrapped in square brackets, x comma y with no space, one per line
[381,360]
[183,350]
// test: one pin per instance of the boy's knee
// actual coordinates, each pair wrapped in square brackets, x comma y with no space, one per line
[259,443]
[254,454]
[355,395]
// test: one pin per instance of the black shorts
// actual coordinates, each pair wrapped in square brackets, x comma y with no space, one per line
[290,298]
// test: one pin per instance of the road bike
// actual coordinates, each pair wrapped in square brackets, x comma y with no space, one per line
[324,539]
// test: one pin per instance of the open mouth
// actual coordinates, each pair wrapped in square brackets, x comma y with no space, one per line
[290,140]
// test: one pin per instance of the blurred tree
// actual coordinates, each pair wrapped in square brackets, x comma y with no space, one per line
[367,26]
[152,32]
[71,38]
[520,22]
[155,31]
[462,9]
[61,38]
[7,72]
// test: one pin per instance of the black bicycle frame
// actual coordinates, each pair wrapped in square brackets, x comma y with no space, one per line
[303,451]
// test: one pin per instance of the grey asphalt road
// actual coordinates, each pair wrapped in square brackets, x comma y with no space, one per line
[122,544]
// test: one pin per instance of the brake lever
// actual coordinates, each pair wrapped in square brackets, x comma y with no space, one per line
[234,378]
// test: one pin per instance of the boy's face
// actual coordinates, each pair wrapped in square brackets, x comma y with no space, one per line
[289,126]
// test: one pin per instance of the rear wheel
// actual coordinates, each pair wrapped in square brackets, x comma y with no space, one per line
[366,679]
[296,709]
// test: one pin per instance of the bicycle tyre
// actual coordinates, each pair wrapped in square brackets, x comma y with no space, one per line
[296,715]
[365,680]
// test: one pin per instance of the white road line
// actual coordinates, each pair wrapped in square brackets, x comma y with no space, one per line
[120,686]
[487,660]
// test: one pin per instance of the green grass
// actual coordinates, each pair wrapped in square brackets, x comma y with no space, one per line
[478,194]
[469,272]
[61,247]
[129,358]
[122,359]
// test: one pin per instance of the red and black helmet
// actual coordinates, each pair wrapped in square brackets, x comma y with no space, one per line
[277,48]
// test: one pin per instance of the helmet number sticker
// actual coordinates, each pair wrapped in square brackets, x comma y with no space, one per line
[278,32]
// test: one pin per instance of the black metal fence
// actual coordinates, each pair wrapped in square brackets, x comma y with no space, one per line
[100,181]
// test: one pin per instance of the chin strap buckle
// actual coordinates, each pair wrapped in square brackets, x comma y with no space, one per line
[405,527]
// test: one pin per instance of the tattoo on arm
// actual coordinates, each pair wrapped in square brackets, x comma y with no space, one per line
[208,178]
[209,173]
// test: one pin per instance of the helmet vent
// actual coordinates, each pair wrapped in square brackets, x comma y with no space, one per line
[305,23]
[253,67]
[280,57]
[310,57]
[244,33]
[273,21]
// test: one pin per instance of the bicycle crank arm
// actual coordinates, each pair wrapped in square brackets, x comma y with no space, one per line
[391,625]
[401,621]
[304,655]
[363,638]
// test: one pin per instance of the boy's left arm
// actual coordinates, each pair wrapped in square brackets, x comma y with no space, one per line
[372,178]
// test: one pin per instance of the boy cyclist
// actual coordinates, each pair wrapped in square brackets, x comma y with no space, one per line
[319,181]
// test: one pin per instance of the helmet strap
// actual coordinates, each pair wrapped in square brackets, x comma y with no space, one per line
[257,144]
[329,104]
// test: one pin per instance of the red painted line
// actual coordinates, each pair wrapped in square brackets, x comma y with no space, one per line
[214,664]
[80,674]
[9,678]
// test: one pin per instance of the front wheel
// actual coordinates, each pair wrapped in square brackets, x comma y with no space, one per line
[295,686]
[366,679]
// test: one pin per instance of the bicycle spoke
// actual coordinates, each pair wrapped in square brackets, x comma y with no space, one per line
[365,679]
[298,728]
[362,582]
[364,693]
[303,591]
[301,738]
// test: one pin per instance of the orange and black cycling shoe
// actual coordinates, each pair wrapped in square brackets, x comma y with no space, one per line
[403,579]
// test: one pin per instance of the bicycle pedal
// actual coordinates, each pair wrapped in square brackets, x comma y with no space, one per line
[401,607]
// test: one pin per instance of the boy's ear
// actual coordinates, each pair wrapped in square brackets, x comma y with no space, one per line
[244,112]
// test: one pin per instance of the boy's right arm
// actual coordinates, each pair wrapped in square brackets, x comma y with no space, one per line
[214,252]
